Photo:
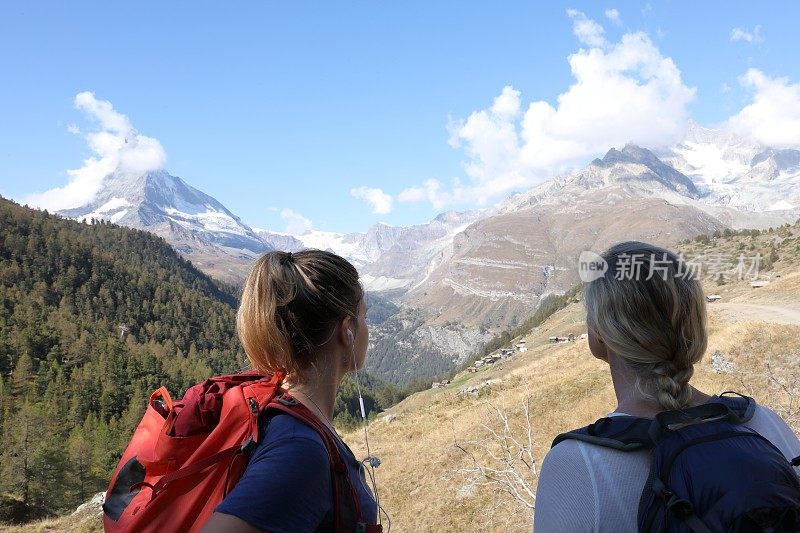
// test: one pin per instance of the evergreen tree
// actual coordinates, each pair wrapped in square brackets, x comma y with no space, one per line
[80,457]
[20,435]
[23,371]
[93,318]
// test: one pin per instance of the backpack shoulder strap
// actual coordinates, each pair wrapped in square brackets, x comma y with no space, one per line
[742,406]
[202,409]
[346,505]
[735,411]
[625,433]
[628,433]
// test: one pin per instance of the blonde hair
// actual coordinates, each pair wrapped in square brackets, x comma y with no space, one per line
[657,325]
[290,306]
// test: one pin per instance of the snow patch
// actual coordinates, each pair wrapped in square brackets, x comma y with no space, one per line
[112,211]
[382,283]
[336,242]
[210,220]
[780,205]
[113,204]
[118,215]
[709,164]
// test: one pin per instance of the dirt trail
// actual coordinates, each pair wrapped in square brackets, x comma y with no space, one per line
[776,313]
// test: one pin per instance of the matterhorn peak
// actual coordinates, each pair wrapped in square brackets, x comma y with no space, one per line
[155,200]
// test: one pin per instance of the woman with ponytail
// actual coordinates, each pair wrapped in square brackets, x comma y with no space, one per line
[302,314]
[646,318]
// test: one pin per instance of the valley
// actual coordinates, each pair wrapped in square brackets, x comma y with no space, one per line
[461,278]
[428,484]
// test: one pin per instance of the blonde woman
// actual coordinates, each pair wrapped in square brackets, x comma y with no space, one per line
[304,314]
[646,318]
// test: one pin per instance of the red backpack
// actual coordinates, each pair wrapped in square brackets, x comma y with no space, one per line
[186,456]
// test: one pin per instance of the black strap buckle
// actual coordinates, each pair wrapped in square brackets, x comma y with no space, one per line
[679,507]
[288,402]
[248,446]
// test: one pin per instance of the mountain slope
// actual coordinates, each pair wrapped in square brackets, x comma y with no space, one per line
[438,437]
[192,221]
[93,318]
[499,268]
[539,233]
[503,264]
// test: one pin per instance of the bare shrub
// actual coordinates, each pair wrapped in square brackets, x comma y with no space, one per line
[502,461]
[777,385]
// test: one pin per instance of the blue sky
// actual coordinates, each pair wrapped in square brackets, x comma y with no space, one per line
[298,111]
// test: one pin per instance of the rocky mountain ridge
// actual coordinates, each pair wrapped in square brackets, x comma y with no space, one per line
[462,276]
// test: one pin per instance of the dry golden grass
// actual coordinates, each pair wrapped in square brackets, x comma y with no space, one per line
[87,523]
[420,482]
[419,479]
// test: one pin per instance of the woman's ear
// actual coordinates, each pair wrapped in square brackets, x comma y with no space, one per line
[346,333]
[597,345]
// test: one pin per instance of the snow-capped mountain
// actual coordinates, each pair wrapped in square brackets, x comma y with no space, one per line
[389,257]
[527,247]
[772,183]
[279,241]
[157,197]
[194,223]
[409,255]
[638,166]
[734,172]
[710,156]
[217,241]
[734,181]
[505,263]
[763,192]
[633,169]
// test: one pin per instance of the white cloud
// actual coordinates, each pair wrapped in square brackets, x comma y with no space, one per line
[432,191]
[585,29]
[773,116]
[755,36]
[296,224]
[490,139]
[116,147]
[380,202]
[613,16]
[622,92]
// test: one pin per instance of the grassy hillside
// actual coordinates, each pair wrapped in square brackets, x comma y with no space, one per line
[428,480]
[432,441]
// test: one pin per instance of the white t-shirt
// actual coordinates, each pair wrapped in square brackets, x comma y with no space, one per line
[585,487]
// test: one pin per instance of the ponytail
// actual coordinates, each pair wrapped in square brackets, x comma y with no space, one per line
[290,305]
